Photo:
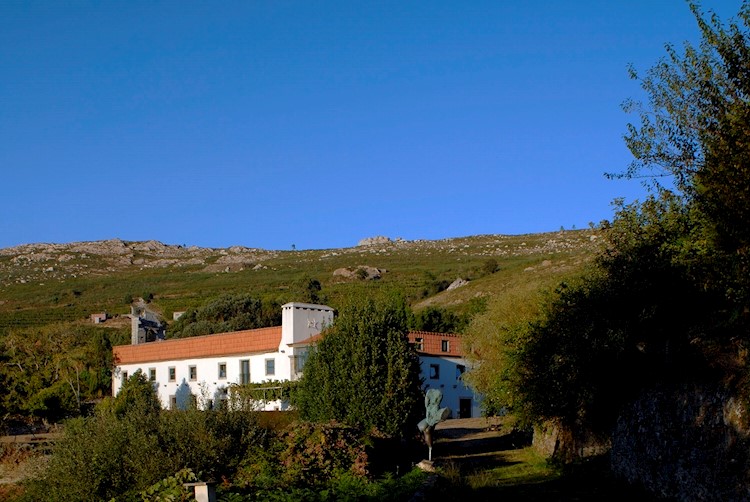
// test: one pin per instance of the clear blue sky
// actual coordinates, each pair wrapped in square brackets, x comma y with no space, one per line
[272,123]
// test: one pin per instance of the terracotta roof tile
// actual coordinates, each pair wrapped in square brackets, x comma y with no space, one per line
[219,344]
[258,341]
[433,344]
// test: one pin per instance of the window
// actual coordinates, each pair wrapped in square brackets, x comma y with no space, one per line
[445,345]
[222,370]
[434,371]
[193,372]
[172,374]
[270,367]
[124,376]
[244,371]
[298,362]
[172,402]
[460,369]
[152,374]
[419,343]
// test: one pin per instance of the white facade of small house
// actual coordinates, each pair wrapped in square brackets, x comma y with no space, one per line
[203,368]
[442,367]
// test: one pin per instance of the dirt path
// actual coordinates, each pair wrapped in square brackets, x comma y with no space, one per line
[480,441]
[22,455]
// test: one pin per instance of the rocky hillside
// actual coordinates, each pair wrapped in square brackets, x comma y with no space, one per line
[63,282]
[38,262]
[32,262]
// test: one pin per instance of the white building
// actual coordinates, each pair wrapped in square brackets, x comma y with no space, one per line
[203,368]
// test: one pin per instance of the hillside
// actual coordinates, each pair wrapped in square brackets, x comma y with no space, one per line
[50,283]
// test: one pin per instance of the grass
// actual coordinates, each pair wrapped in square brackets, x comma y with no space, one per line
[419,269]
[523,475]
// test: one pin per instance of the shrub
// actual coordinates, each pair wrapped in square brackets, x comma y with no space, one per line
[123,454]
[364,373]
[307,455]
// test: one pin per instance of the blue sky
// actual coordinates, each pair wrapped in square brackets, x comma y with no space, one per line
[316,124]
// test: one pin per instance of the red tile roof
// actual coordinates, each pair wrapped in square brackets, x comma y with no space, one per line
[216,345]
[257,341]
[432,343]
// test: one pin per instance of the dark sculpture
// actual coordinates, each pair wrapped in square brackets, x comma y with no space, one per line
[435,415]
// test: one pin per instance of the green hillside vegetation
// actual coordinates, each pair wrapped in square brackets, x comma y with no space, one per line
[36,300]
[421,269]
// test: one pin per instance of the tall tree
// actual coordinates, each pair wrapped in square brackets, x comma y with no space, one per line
[364,372]
[695,129]
[668,297]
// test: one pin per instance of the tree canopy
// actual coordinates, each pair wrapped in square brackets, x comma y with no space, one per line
[227,313]
[667,299]
[364,372]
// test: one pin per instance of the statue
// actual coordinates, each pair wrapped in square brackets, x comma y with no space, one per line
[435,415]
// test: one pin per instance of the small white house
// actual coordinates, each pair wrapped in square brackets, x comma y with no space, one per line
[203,368]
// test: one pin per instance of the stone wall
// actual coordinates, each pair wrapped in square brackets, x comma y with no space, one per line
[555,441]
[686,442]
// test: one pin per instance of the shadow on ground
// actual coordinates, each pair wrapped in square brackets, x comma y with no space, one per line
[470,453]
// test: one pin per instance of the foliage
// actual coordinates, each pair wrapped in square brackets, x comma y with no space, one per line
[695,129]
[320,461]
[227,313]
[49,372]
[170,489]
[137,393]
[364,372]
[248,395]
[490,266]
[307,455]
[438,320]
[637,317]
[125,449]
[667,297]
[308,290]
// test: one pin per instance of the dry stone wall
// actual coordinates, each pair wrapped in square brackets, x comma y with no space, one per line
[687,442]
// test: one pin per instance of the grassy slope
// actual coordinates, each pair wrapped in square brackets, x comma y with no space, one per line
[413,267]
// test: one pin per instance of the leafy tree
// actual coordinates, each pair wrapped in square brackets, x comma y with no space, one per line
[437,320]
[227,313]
[490,266]
[667,298]
[364,372]
[127,446]
[137,392]
[694,130]
[49,372]
[308,290]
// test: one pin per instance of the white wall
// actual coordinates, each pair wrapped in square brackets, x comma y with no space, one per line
[207,382]
[449,383]
[300,321]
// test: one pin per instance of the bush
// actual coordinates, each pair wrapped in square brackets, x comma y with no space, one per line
[364,373]
[307,455]
[123,454]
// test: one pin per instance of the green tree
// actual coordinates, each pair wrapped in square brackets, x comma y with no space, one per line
[138,393]
[667,298]
[438,320]
[49,372]
[309,290]
[230,312]
[694,130]
[364,372]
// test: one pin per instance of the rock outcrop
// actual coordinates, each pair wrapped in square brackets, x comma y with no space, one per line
[364,272]
[371,241]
